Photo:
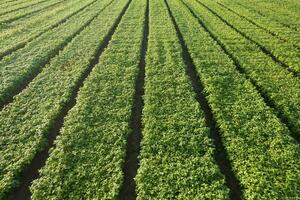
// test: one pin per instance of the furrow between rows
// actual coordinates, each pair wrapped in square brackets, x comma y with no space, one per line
[131,164]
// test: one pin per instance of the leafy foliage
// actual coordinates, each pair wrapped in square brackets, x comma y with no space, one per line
[177,155]
[177,159]
[281,87]
[89,155]
[263,155]
[283,50]
[20,65]
[25,123]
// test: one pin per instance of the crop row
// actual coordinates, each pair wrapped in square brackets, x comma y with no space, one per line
[26,123]
[277,18]
[290,6]
[89,154]
[20,66]
[276,84]
[6,3]
[282,52]
[264,157]
[271,26]
[286,13]
[24,4]
[19,13]
[7,18]
[177,154]
[17,34]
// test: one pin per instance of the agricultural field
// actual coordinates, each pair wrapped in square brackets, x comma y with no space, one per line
[150,99]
